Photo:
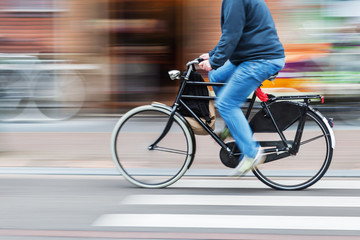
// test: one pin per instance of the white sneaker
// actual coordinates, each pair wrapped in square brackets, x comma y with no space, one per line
[248,163]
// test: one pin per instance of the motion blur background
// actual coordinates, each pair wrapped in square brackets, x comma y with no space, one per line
[70,68]
[66,57]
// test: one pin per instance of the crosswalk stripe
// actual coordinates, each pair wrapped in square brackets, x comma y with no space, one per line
[229,221]
[230,200]
[219,221]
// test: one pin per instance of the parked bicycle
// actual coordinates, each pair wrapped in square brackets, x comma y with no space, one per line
[50,86]
[154,145]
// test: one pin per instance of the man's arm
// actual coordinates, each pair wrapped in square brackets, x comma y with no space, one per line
[233,22]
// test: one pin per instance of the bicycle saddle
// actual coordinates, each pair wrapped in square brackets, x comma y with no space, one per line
[272,78]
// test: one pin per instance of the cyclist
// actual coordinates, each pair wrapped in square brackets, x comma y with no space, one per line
[248,52]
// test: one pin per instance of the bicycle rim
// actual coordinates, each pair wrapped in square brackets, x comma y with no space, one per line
[157,168]
[310,163]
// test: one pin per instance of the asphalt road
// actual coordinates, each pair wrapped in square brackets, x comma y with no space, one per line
[85,143]
[58,181]
[106,207]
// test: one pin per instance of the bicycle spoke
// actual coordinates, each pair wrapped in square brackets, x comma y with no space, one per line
[312,139]
[170,150]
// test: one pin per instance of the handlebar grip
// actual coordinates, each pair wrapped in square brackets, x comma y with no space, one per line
[195,61]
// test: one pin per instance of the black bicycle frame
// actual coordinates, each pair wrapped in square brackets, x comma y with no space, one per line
[282,148]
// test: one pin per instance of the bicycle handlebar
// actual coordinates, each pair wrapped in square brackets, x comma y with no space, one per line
[195,61]
[191,66]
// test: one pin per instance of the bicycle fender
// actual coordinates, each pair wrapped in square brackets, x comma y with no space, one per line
[323,118]
[161,105]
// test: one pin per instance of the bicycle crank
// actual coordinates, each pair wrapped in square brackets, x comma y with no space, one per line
[230,159]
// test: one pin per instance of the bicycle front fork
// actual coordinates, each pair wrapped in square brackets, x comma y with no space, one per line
[166,129]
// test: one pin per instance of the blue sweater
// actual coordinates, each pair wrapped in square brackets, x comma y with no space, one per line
[248,33]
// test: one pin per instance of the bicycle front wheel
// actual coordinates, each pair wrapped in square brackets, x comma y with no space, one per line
[14,94]
[309,165]
[161,166]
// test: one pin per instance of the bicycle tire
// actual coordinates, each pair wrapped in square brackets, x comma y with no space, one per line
[310,163]
[136,131]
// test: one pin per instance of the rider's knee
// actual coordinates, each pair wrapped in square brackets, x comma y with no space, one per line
[211,76]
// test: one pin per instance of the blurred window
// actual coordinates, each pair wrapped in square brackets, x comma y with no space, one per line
[30,4]
[31,8]
[344,8]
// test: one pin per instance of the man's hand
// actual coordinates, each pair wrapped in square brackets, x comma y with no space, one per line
[204,56]
[205,65]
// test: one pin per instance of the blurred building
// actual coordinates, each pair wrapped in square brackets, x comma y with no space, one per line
[58,37]
[123,48]
[27,26]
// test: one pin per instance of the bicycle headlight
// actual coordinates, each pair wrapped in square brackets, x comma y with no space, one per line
[174,74]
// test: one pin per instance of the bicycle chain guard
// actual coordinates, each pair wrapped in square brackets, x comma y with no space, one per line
[230,159]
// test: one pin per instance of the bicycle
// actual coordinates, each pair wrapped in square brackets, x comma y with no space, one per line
[153,145]
[51,86]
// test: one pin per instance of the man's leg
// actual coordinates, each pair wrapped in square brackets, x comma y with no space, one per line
[228,103]
[246,78]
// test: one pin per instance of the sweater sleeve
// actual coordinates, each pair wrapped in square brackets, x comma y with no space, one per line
[212,52]
[233,19]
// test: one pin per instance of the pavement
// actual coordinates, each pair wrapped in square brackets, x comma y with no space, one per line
[82,146]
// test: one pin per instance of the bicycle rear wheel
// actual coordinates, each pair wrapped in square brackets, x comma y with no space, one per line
[170,158]
[306,167]
[59,95]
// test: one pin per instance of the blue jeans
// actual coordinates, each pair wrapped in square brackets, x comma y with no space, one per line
[241,81]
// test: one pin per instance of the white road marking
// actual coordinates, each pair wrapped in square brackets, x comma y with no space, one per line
[230,200]
[323,223]
[228,221]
